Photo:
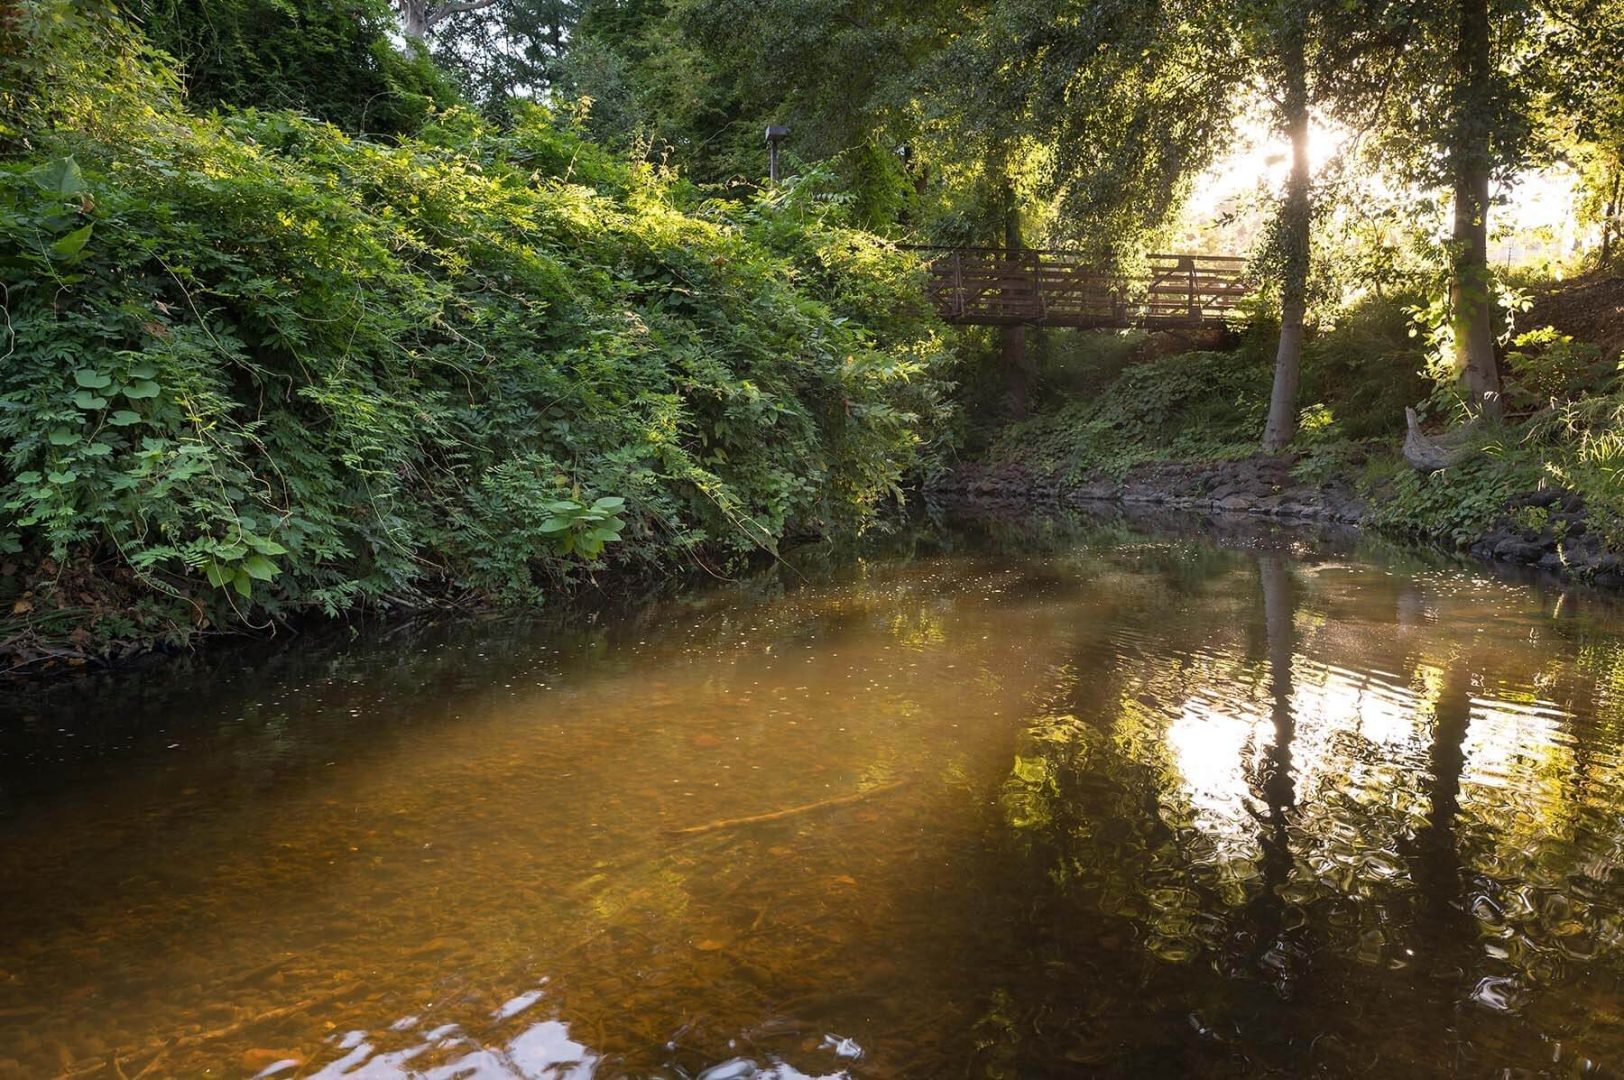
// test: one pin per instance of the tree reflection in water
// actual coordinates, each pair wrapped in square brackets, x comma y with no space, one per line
[1271,812]
[1319,854]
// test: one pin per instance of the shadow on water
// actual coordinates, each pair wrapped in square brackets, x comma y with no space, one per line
[1115,796]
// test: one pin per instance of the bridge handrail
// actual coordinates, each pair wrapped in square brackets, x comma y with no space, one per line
[1068,253]
[1061,287]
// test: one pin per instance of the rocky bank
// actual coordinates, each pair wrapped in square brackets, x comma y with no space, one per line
[1547,529]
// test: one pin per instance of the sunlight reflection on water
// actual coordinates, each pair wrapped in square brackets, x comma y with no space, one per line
[1111,804]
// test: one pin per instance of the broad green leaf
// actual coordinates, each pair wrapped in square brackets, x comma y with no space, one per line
[143,388]
[217,574]
[29,477]
[143,370]
[87,400]
[124,418]
[98,449]
[555,524]
[63,436]
[59,177]
[243,584]
[91,379]
[73,243]
[260,568]
[609,504]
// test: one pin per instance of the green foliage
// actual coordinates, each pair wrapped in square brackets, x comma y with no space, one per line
[1580,445]
[1545,366]
[700,79]
[1200,405]
[1457,504]
[1078,364]
[1365,369]
[512,50]
[255,360]
[332,61]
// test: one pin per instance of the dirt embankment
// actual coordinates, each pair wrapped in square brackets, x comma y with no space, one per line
[1588,309]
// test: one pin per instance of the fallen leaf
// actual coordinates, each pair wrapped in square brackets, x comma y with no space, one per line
[260,1058]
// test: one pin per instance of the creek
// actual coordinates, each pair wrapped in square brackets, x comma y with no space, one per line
[1011,799]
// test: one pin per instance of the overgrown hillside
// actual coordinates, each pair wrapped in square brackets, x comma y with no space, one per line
[254,366]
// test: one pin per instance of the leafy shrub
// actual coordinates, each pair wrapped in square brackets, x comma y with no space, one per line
[1580,445]
[253,358]
[1191,406]
[1081,363]
[1544,366]
[1457,504]
[331,61]
[1366,368]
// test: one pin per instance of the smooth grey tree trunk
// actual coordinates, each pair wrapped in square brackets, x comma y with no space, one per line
[1471,300]
[1294,238]
[419,17]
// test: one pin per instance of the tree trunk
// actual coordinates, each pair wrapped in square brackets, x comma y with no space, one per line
[1609,217]
[1294,230]
[419,17]
[414,18]
[1012,339]
[1470,297]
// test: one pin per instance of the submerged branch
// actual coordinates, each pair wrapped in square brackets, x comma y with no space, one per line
[779,815]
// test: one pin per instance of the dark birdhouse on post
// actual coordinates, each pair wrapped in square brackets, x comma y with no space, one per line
[776,133]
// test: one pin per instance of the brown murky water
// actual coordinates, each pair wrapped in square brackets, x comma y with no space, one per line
[1099,803]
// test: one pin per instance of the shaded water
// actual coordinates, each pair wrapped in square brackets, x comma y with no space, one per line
[1136,805]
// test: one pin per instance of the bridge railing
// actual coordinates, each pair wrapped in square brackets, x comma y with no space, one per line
[1001,286]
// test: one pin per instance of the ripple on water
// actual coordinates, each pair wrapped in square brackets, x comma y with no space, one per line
[1102,805]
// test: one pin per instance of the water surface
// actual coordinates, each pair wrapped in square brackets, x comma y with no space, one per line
[1101,802]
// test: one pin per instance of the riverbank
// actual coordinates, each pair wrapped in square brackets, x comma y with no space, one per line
[476,365]
[1542,535]
[1546,528]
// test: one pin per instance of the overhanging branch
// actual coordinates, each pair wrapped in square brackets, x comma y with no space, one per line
[441,12]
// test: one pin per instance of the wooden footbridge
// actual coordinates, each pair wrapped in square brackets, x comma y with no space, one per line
[1031,287]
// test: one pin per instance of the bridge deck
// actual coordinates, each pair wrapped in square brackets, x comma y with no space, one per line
[1013,287]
